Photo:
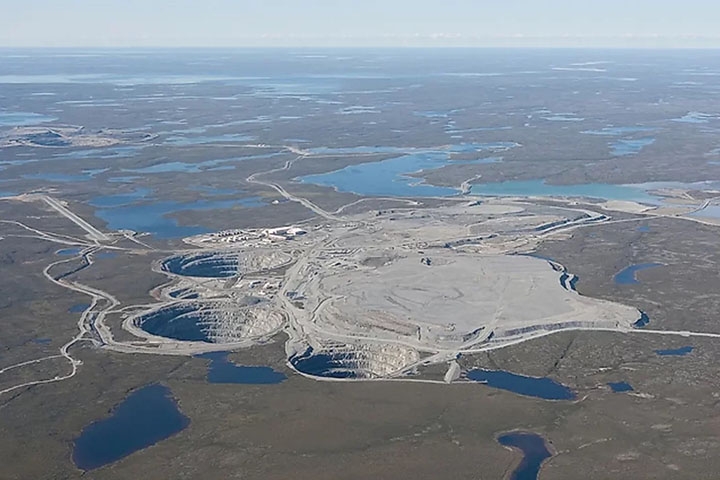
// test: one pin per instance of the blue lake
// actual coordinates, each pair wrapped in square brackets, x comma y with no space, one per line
[711,211]
[544,388]
[389,177]
[23,119]
[538,188]
[675,352]
[221,370]
[620,387]
[144,418]
[79,308]
[643,229]
[534,451]
[627,276]
[121,212]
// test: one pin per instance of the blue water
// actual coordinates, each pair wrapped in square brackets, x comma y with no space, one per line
[69,251]
[42,341]
[620,387]
[389,177]
[79,308]
[23,119]
[643,321]
[538,188]
[120,212]
[711,211]
[544,388]
[221,370]
[627,276]
[675,352]
[643,229]
[144,418]
[534,452]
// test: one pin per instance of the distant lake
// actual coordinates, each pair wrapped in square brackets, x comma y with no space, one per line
[544,387]
[627,276]
[620,387]
[121,213]
[222,370]
[677,352]
[390,177]
[144,418]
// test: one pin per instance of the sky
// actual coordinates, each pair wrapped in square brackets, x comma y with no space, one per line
[355,23]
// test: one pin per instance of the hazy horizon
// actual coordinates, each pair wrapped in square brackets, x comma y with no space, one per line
[373,23]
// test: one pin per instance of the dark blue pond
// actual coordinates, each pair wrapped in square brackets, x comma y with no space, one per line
[642,321]
[675,352]
[79,308]
[221,370]
[627,276]
[643,229]
[620,387]
[534,451]
[144,418]
[544,388]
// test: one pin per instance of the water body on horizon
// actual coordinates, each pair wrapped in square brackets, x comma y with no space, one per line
[146,417]
[534,451]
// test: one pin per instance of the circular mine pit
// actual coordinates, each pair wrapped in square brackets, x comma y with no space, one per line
[205,265]
[211,321]
[353,361]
